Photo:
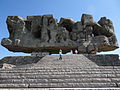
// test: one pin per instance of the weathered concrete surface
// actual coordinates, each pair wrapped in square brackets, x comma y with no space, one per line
[18,61]
[73,71]
[44,34]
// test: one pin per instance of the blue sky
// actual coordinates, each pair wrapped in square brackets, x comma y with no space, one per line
[59,8]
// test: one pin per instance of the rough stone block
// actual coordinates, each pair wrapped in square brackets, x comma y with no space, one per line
[43,33]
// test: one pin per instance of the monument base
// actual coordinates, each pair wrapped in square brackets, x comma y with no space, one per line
[73,71]
[100,60]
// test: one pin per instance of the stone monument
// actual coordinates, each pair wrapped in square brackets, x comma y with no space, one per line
[42,36]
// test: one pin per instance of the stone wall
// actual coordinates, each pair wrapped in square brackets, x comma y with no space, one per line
[20,60]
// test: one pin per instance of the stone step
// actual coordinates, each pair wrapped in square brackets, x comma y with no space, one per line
[62,72]
[67,67]
[65,63]
[58,76]
[60,85]
[60,80]
[48,67]
[58,70]
[60,61]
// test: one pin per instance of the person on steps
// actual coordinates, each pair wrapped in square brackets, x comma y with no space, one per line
[71,51]
[76,51]
[60,54]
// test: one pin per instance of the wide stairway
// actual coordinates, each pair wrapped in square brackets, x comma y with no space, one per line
[73,71]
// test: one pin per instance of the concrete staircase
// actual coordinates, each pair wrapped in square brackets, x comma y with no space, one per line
[74,71]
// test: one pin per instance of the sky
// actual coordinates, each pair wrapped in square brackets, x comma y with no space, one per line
[59,8]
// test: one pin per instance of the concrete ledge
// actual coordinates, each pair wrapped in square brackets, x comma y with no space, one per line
[20,60]
[104,59]
[60,89]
